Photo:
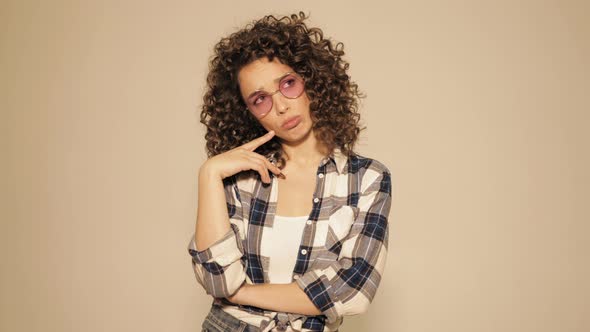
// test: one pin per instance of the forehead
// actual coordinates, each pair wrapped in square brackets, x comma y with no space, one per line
[261,74]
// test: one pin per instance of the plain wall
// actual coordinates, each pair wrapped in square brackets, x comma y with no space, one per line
[479,109]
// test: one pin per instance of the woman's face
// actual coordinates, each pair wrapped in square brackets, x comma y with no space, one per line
[289,118]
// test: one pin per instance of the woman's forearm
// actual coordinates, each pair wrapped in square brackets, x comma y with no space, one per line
[276,297]
[212,218]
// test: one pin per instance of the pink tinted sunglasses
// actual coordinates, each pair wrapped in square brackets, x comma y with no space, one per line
[260,102]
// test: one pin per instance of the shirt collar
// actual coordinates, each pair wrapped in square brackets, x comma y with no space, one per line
[338,158]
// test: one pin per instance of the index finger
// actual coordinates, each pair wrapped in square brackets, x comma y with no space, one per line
[253,144]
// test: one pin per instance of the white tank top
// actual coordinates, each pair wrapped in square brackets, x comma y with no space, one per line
[282,247]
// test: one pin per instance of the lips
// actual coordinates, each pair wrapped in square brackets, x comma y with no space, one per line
[291,122]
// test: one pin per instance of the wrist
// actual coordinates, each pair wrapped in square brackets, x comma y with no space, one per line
[244,294]
[208,172]
[241,295]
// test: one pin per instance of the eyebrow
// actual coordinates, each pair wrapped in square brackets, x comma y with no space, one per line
[276,80]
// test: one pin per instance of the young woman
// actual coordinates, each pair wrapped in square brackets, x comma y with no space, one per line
[292,225]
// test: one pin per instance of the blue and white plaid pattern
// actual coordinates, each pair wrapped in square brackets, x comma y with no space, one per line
[343,249]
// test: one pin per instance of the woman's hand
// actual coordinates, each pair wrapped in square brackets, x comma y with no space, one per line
[242,158]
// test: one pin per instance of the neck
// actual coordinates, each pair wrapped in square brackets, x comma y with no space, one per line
[307,152]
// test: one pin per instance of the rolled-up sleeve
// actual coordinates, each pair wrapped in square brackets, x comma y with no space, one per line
[219,268]
[347,286]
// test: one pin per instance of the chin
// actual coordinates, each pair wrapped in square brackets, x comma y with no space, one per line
[296,134]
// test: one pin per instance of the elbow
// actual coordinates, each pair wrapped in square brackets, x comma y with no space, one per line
[362,308]
[358,305]
[220,269]
[229,288]
[225,284]
[338,310]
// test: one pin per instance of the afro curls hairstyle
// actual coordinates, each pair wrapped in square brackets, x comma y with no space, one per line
[333,96]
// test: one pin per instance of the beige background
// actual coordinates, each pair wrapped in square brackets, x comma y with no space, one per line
[480,110]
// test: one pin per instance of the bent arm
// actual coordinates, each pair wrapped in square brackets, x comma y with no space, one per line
[212,217]
[216,247]
[276,297]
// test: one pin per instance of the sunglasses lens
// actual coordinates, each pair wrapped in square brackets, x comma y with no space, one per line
[291,86]
[261,104]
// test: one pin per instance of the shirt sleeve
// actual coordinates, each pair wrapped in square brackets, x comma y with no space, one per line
[219,269]
[347,286]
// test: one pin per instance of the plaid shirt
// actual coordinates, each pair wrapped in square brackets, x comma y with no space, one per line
[343,249]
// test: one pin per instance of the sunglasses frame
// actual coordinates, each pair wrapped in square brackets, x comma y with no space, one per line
[269,95]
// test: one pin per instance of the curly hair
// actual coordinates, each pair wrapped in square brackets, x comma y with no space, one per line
[333,96]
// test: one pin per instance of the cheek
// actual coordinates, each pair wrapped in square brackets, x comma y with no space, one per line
[304,100]
[305,97]
[266,123]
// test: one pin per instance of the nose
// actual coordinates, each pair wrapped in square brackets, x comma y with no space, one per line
[280,103]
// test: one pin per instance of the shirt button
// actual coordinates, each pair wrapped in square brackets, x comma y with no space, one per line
[308,222]
[303,251]
[315,200]
[321,175]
